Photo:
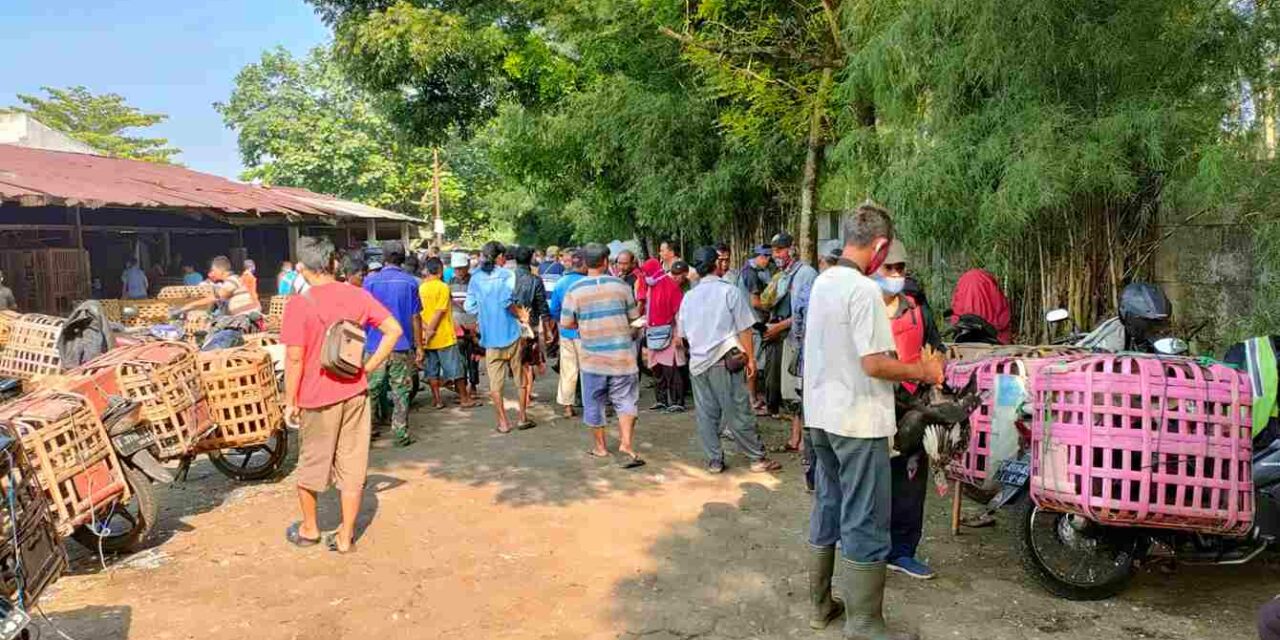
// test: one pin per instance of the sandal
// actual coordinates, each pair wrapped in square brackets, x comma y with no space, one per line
[593,454]
[526,425]
[332,542]
[630,461]
[294,536]
[765,465]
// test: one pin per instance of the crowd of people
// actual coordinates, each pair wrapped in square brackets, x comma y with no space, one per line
[776,335]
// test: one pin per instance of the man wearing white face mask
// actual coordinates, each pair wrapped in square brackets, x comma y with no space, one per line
[913,328]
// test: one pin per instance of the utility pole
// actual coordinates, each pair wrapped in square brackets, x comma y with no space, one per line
[435,179]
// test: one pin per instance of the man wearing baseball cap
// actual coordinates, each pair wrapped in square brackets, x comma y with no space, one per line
[754,278]
[785,330]
[465,323]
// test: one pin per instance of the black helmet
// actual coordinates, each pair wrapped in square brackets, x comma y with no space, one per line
[1141,300]
[782,240]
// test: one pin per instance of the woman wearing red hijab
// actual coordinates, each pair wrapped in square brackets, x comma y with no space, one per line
[977,293]
[664,353]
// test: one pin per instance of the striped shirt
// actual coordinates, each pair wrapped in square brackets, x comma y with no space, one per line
[603,308]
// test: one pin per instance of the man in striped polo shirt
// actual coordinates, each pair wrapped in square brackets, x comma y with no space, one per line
[602,307]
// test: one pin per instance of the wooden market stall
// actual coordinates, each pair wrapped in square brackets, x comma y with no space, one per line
[70,221]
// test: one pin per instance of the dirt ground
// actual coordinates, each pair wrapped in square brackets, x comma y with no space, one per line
[472,534]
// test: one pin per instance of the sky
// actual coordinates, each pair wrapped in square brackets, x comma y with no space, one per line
[175,57]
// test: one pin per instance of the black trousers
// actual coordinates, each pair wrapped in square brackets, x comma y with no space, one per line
[773,376]
[671,387]
[906,520]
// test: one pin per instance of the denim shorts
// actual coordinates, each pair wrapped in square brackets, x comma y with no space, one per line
[444,364]
[598,390]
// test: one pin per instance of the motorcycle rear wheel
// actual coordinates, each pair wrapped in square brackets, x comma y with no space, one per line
[1071,557]
[258,462]
[128,527]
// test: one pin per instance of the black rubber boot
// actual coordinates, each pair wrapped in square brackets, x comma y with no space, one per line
[822,562]
[863,584]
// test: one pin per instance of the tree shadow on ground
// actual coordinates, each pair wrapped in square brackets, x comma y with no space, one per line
[98,623]
[738,571]
[547,465]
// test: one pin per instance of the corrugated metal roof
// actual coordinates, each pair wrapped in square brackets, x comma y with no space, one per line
[38,177]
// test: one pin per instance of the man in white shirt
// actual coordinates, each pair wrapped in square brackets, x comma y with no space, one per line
[849,371]
[716,319]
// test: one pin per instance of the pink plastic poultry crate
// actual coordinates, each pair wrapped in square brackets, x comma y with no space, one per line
[1141,440]
[971,465]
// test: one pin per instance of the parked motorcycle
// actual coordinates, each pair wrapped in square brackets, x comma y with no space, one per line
[128,526]
[1077,558]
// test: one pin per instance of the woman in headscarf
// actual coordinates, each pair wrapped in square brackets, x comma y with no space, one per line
[978,293]
[665,354]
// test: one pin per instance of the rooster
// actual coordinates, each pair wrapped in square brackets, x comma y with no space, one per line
[936,418]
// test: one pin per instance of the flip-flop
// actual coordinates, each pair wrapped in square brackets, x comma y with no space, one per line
[331,541]
[294,536]
[436,406]
[526,425]
[593,454]
[630,461]
[501,430]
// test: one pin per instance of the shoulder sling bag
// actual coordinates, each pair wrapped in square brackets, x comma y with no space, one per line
[342,350]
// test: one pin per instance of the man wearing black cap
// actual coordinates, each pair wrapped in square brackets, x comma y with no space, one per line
[717,322]
[783,336]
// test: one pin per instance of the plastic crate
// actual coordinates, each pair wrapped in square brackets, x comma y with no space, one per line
[244,402]
[1141,440]
[162,377]
[972,463]
[69,452]
[32,347]
[969,351]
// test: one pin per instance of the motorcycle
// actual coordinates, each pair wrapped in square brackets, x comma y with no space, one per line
[1076,558]
[128,526]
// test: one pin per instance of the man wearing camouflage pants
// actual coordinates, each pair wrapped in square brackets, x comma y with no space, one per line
[398,292]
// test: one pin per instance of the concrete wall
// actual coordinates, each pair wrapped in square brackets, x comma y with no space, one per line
[1206,265]
[24,131]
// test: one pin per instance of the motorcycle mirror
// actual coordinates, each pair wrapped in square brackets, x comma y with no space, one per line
[1171,346]
[1057,315]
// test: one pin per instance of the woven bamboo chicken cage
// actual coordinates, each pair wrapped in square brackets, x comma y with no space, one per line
[261,339]
[149,312]
[184,292]
[70,454]
[7,319]
[32,347]
[275,311]
[164,379]
[244,402]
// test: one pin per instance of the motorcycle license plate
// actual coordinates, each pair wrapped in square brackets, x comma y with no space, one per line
[1014,472]
[131,442]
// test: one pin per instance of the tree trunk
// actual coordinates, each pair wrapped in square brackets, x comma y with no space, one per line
[816,147]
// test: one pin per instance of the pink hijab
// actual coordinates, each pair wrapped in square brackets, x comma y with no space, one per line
[664,296]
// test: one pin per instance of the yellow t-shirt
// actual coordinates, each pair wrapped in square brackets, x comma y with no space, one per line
[436,297]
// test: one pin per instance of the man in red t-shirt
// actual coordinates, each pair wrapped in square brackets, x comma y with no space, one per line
[334,412]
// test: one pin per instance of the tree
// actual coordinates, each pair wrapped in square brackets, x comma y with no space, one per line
[1042,139]
[98,121]
[774,61]
[302,123]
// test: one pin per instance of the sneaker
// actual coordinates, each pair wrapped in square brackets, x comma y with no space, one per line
[402,438]
[911,567]
[715,467]
[675,408]
[658,406]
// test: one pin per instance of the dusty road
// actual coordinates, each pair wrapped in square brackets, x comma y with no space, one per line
[472,534]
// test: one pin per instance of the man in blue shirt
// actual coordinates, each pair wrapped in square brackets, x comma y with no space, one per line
[569,345]
[491,297]
[398,292]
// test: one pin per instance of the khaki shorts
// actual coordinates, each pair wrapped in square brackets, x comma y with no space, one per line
[496,361]
[335,444]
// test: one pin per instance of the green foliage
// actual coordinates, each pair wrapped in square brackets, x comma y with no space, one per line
[98,121]
[302,123]
[440,67]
